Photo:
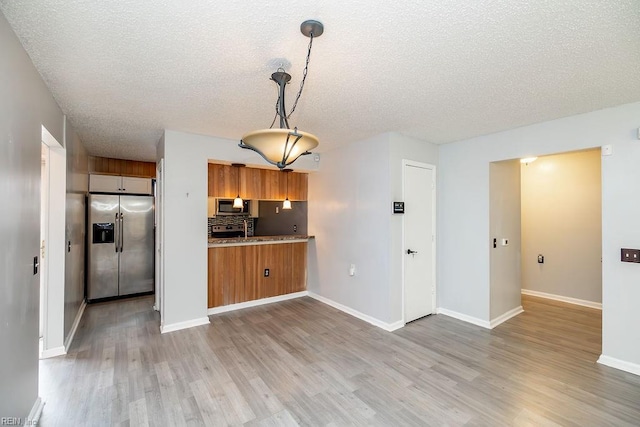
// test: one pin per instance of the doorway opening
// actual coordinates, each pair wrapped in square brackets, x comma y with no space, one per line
[562,228]
[545,231]
[52,245]
[418,240]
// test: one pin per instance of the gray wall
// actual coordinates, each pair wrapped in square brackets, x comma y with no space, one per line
[562,219]
[271,223]
[463,207]
[504,211]
[350,214]
[25,105]
[77,187]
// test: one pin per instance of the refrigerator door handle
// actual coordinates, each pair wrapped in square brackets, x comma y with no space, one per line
[117,233]
[121,232]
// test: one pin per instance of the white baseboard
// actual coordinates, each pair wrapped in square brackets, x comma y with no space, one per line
[390,327]
[632,368]
[255,303]
[184,325]
[464,318]
[53,352]
[506,316]
[34,414]
[74,327]
[576,301]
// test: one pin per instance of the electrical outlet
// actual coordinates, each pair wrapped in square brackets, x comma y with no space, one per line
[540,259]
[295,228]
[630,255]
[266,272]
[352,270]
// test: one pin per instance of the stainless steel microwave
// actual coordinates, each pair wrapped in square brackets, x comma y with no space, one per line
[225,207]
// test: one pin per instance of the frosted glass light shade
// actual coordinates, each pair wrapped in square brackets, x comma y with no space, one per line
[272,143]
[237,202]
[286,204]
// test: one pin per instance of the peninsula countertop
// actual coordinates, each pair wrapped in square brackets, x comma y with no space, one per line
[258,240]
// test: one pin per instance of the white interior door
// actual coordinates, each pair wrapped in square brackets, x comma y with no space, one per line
[419,240]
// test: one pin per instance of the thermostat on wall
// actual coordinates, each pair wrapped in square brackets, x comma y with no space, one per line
[398,207]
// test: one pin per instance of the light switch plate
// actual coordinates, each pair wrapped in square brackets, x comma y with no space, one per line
[630,255]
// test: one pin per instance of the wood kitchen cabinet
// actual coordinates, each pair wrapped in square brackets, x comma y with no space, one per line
[250,179]
[256,184]
[236,273]
[270,184]
[298,185]
[223,181]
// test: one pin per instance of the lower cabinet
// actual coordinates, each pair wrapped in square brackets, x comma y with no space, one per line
[237,273]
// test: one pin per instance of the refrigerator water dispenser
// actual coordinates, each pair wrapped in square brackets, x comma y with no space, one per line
[103,232]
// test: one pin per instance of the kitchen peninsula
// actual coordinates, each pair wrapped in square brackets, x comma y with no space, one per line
[243,269]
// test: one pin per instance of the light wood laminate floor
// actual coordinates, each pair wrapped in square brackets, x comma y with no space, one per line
[302,362]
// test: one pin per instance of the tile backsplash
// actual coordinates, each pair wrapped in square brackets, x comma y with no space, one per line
[231,220]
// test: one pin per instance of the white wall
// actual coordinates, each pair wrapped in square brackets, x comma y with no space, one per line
[25,105]
[504,223]
[562,220]
[464,214]
[350,213]
[75,226]
[185,222]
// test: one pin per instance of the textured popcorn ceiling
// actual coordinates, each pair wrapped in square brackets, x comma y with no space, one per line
[437,70]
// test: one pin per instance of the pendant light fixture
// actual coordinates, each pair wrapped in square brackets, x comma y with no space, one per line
[238,202]
[286,204]
[283,146]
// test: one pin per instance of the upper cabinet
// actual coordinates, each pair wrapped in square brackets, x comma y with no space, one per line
[223,181]
[297,185]
[119,184]
[120,167]
[257,184]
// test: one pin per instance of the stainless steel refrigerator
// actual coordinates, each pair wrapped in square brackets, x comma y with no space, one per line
[120,253]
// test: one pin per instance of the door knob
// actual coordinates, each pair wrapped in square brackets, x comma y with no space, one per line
[410,252]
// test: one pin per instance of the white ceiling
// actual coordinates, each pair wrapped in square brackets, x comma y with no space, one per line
[436,70]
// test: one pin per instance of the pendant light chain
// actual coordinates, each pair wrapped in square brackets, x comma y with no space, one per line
[304,76]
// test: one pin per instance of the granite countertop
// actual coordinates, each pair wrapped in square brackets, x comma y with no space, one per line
[257,240]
